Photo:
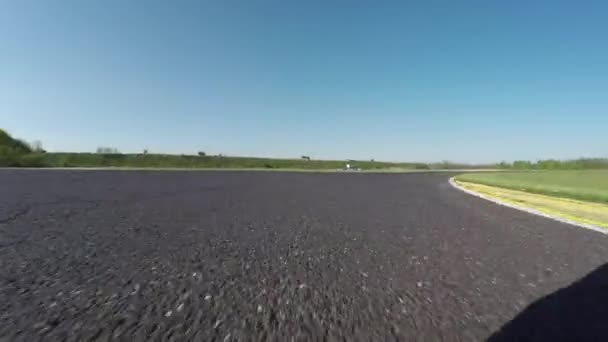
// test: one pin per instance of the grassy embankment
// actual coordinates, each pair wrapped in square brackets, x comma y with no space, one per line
[209,162]
[580,196]
[17,153]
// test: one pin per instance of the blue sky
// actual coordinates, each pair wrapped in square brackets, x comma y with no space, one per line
[471,81]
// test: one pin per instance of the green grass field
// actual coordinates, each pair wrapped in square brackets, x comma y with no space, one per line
[586,185]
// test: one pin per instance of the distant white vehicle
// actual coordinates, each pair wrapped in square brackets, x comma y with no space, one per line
[349,167]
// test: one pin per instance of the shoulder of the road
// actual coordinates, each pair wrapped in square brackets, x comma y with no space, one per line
[528,210]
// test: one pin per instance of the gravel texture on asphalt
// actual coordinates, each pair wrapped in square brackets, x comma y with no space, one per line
[202,256]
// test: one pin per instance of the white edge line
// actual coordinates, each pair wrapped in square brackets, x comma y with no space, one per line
[528,210]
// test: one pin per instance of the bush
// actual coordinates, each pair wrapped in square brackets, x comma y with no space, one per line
[9,156]
[32,160]
[421,167]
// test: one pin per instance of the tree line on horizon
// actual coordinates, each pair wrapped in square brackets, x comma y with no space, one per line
[18,153]
[554,164]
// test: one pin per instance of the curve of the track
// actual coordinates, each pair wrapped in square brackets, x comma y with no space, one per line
[140,256]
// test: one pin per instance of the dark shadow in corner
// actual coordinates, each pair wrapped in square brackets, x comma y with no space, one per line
[578,312]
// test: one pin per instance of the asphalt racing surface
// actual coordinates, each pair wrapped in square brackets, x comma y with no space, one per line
[225,256]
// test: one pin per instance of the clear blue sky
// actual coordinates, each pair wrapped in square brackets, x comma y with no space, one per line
[471,81]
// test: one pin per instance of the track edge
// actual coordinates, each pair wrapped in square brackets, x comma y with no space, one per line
[527,210]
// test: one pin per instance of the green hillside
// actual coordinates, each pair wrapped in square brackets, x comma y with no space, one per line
[16,145]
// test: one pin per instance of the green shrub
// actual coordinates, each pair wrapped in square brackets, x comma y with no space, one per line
[32,160]
[9,156]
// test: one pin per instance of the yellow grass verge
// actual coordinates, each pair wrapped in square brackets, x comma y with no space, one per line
[578,211]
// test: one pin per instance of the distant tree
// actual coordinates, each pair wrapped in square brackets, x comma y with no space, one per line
[522,164]
[201,154]
[372,160]
[36,146]
[145,151]
[549,164]
[306,157]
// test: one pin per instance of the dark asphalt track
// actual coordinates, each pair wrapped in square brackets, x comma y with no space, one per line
[142,256]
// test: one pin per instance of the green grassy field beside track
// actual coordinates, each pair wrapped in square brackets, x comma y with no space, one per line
[586,185]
